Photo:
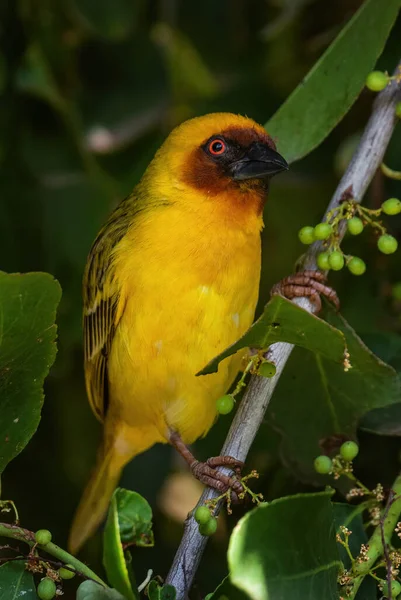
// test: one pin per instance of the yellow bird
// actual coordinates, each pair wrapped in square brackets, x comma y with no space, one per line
[171,280]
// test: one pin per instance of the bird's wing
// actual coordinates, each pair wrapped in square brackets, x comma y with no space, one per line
[102,307]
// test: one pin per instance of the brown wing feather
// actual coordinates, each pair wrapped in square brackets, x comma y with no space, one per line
[101,295]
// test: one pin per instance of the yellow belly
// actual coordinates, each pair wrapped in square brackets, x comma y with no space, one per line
[186,300]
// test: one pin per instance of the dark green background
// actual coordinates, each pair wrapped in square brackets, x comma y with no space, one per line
[69,66]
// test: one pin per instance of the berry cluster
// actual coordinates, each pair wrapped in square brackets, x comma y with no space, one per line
[47,588]
[348,451]
[357,218]
[257,365]
[207,523]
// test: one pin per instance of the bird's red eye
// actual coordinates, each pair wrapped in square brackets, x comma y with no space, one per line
[217,147]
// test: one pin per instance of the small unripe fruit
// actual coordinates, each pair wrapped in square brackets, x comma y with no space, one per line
[322,231]
[398,110]
[208,528]
[46,589]
[387,244]
[323,261]
[392,206]
[355,226]
[395,589]
[66,573]
[376,81]
[349,450]
[323,464]
[267,369]
[336,260]
[202,515]
[43,537]
[225,404]
[356,266]
[306,235]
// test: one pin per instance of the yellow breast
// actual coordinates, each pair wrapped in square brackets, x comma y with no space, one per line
[189,290]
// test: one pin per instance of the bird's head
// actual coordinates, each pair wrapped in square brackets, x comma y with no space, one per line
[221,157]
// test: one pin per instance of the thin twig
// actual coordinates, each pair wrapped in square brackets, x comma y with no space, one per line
[251,411]
[390,501]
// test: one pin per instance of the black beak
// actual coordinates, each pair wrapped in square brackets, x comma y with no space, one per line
[259,161]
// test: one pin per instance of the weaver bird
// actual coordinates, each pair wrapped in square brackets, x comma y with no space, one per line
[171,280]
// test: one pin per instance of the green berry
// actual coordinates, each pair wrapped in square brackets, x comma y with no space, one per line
[397,291]
[336,260]
[322,231]
[355,226]
[202,515]
[323,261]
[66,573]
[392,206]
[208,528]
[323,464]
[376,81]
[267,369]
[43,537]
[356,266]
[46,589]
[398,110]
[225,404]
[395,589]
[349,450]
[306,235]
[387,244]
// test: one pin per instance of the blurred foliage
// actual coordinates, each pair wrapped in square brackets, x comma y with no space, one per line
[88,90]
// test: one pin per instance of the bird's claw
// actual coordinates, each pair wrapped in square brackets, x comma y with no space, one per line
[206,473]
[306,284]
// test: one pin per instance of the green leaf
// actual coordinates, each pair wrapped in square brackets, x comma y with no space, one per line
[326,400]
[90,590]
[387,420]
[328,91]
[28,306]
[134,518]
[15,582]
[286,549]
[189,75]
[160,592]
[283,321]
[35,77]
[113,555]
[227,590]
[112,20]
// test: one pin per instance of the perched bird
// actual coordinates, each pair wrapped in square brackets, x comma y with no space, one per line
[171,280]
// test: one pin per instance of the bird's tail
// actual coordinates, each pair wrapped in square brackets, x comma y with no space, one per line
[96,497]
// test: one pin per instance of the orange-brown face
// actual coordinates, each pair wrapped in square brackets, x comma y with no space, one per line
[237,159]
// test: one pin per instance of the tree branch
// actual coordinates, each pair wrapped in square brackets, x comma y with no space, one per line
[251,411]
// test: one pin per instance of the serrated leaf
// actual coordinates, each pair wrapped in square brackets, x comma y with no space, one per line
[113,555]
[90,590]
[286,550]
[315,399]
[328,91]
[283,321]
[15,582]
[134,518]
[28,306]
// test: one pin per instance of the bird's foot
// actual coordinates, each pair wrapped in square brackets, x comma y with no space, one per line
[306,284]
[207,474]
